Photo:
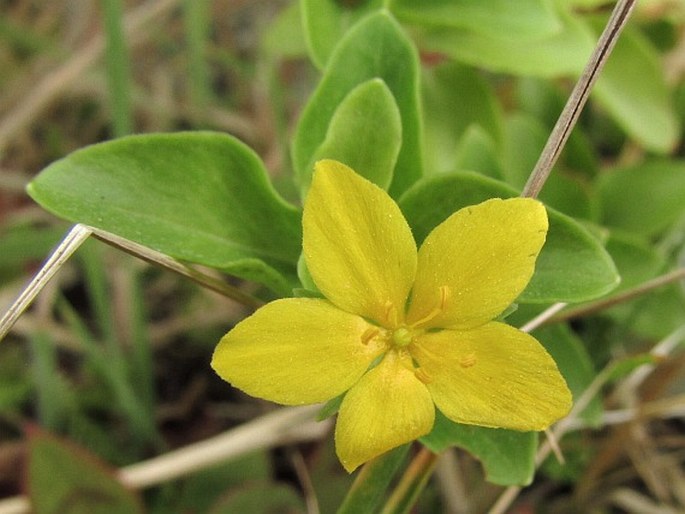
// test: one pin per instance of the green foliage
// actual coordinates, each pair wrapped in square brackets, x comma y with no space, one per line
[508,457]
[376,47]
[199,197]
[84,484]
[365,133]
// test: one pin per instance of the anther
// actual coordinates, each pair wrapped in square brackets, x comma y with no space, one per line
[369,334]
[468,360]
[422,376]
[390,314]
[444,296]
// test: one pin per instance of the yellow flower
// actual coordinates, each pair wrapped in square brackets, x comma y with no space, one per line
[400,331]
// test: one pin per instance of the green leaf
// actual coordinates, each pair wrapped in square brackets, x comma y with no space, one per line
[525,139]
[644,199]
[504,19]
[65,479]
[573,266]
[508,457]
[365,133]
[200,197]
[636,259]
[326,21]
[455,98]
[372,481]
[633,89]
[374,48]
[562,53]
[574,363]
[284,37]
[477,152]
[260,499]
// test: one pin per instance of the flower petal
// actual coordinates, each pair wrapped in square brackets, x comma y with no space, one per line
[357,245]
[388,407]
[493,376]
[296,351]
[473,265]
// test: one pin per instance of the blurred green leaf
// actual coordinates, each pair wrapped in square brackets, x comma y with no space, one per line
[561,53]
[200,490]
[573,266]
[633,89]
[636,259]
[523,19]
[64,479]
[455,98]
[365,133]
[260,499]
[477,152]
[372,481]
[376,47]
[326,21]
[200,197]
[645,198]
[284,37]
[525,139]
[508,457]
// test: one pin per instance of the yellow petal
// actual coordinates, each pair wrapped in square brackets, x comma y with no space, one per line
[473,265]
[296,351]
[388,407]
[357,245]
[493,376]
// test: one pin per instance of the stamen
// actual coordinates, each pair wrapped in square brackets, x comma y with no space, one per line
[369,334]
[422,376]
[468,360]
[390,314]
[444,292]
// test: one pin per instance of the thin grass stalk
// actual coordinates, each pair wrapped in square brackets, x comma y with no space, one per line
[118,67]
[196,16]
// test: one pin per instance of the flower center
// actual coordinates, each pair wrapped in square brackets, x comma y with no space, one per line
[402,337]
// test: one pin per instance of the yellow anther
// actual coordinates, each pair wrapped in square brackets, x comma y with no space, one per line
[468,360]
[390,314]
[369,334]
[444,296]
[422,376]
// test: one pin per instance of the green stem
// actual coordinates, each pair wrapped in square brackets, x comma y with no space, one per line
[412,483]
[372,481]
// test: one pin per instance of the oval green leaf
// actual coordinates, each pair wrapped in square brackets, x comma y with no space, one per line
[199,197]
[633,89]
[365,133]
[645,198]
[562,53]
[326,21]
[572,267]
[523,19]
[375,47]
[508,457]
